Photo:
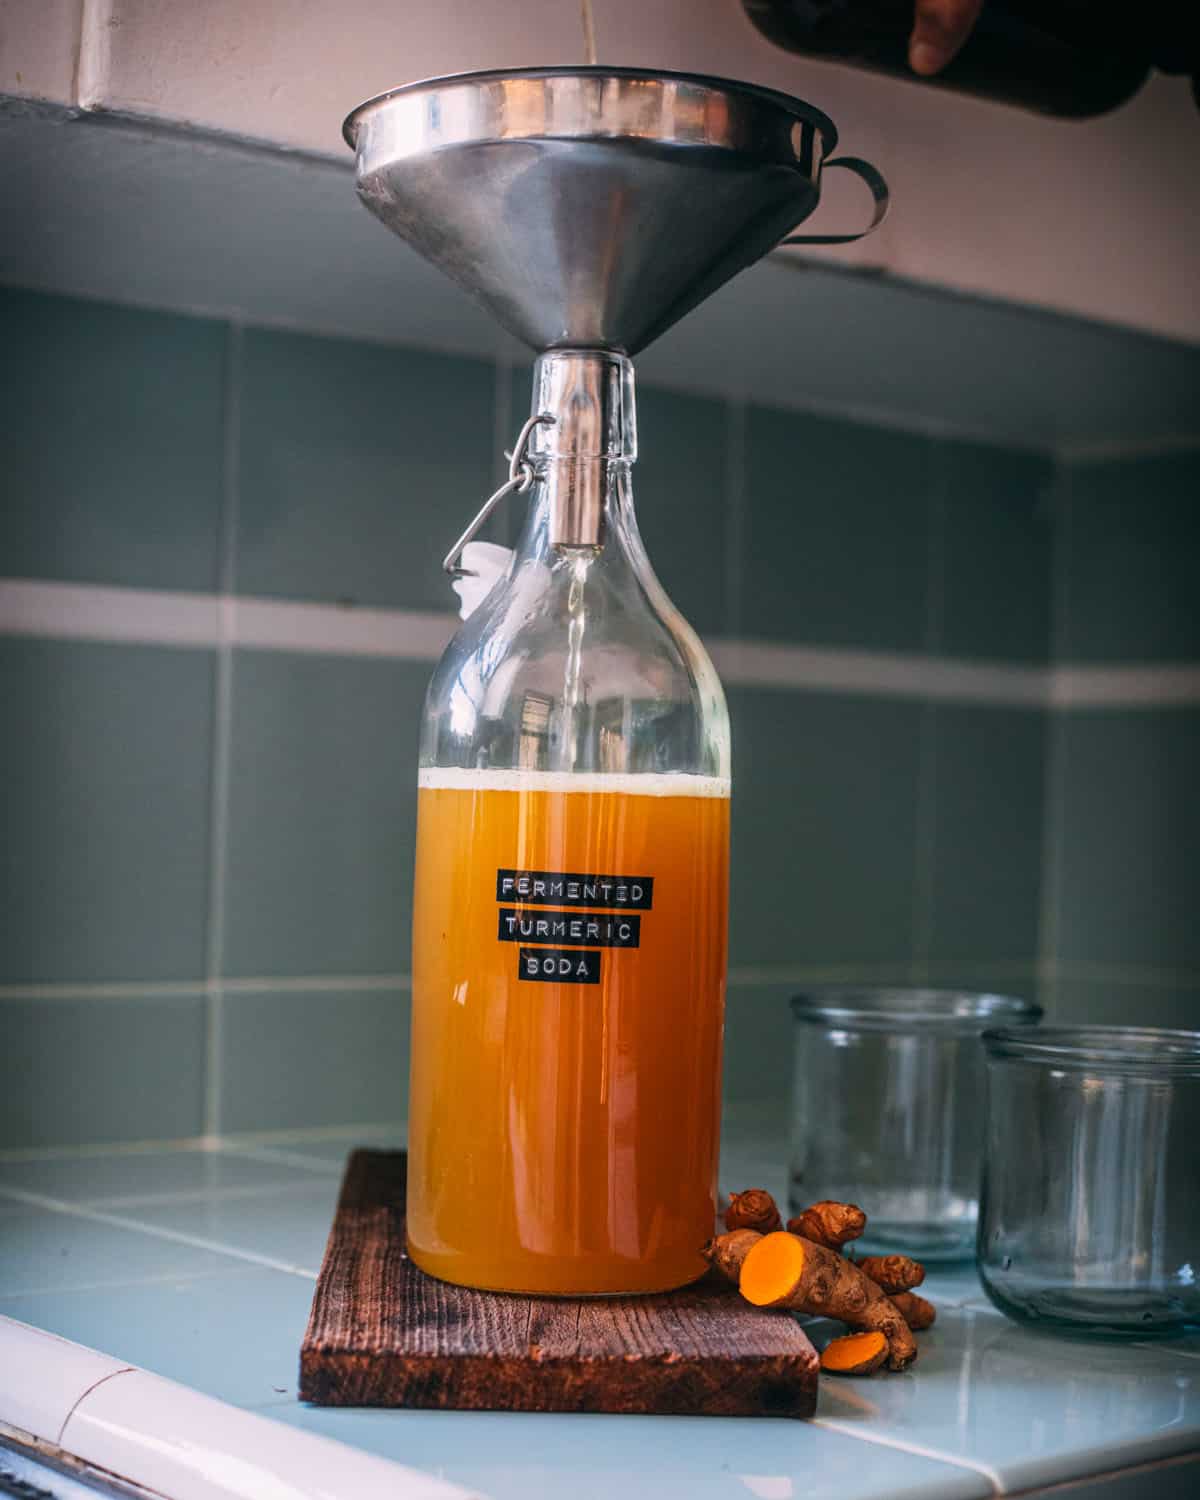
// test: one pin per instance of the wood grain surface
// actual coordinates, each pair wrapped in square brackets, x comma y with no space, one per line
[382,1333]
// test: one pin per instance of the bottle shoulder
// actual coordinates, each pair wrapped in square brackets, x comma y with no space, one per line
[576,667]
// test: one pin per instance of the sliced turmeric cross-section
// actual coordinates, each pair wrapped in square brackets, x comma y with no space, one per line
[855,1354]
[783,1270]
[773,1269]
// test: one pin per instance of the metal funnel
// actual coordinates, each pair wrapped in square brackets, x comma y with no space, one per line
[593,207]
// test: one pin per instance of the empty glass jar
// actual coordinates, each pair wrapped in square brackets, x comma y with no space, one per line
[888,1110]
[1090,1208]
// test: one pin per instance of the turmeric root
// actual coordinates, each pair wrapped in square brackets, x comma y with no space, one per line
[855,1353]
[829,1224]
[753,1209]
[894,1273]
[727,1252]
[918,1312]
[784,1270]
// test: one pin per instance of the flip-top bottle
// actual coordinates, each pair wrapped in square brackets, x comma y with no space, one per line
[569,938]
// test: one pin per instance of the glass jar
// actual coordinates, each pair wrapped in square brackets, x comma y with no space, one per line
[887,1110]
[1090,1210]
[570,911]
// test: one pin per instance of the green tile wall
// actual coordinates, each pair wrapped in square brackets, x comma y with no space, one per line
[679,485]
[1131,542]
[114,1068]
[207,853]
[988,778]
[322,1057]
[360,464]
[998,519]
[1101,1001]
[322,814]
[1128,888]
[758,1050]
[824,828]
[1123,874]
[836,532]
[113,443]
[104,800]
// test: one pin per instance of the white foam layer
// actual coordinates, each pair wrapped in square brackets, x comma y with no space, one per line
[647,784]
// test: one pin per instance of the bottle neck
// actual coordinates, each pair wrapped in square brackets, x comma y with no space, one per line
[589,438]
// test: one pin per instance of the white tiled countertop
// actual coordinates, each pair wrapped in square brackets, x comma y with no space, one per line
[198,1266]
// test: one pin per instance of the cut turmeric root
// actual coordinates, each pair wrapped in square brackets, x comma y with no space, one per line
[727,1252]
[783,1270]
[894,1273]
[829,1224]
[918,1312]
[855,1353]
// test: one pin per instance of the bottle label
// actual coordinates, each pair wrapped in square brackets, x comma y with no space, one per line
[549,888]
[617,924]
[559,966]
[572,929]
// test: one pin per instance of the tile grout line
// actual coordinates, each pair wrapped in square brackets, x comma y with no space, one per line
[75,1288]
[93,53]
[735,489]
[925,843]
[918,1450]
[748,976]
[501,384]
[1085,1484]
[1053,783]
[222,733]
[924,846]
[502,438]
[235,1145]
[935,599]
[1053,839]
[267,984]
[285,1157]
[156,1231]
[110,1203]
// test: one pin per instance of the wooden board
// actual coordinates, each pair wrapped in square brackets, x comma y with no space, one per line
[382,1333]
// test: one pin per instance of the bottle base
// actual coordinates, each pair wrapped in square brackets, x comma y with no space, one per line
[1093,1312]
[512,1282]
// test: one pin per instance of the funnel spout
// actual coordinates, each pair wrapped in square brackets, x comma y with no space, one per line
[588,395]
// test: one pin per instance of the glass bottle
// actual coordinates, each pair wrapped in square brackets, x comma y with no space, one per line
[569,931]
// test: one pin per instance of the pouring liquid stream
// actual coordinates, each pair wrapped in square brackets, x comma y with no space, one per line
[577,624]
[589,32]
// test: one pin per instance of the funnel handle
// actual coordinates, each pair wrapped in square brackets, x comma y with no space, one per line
[879,192]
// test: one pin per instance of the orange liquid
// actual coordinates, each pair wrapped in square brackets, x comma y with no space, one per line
[563,1134]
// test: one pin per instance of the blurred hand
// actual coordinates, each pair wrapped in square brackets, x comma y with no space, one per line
[940,27]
